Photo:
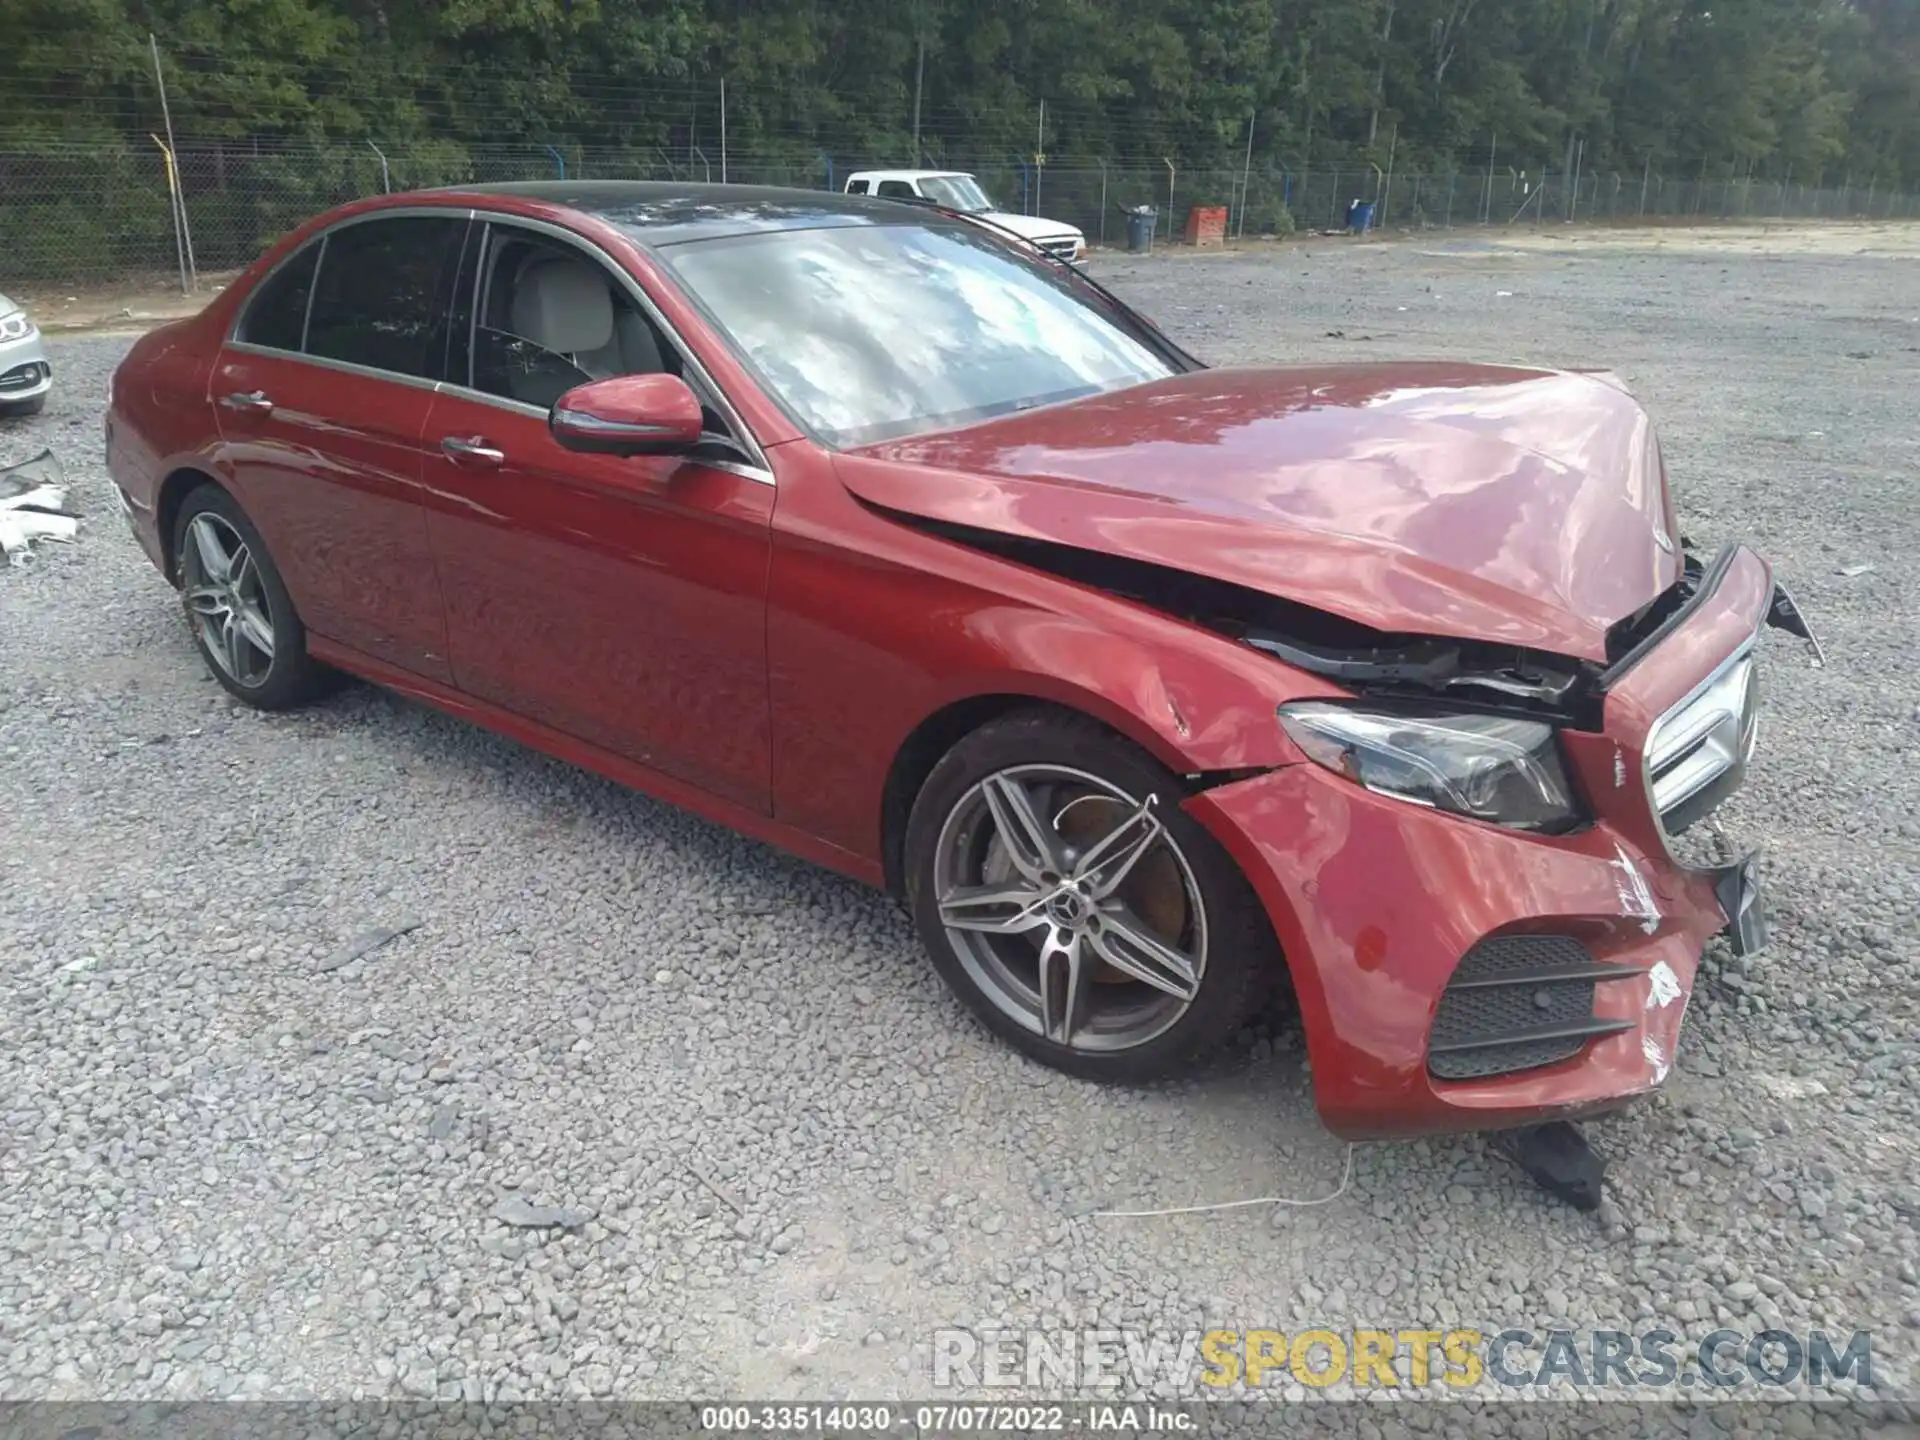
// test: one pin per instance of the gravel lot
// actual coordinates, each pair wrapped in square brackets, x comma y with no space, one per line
[231,1166]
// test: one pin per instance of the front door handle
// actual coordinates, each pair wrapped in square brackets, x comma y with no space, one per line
[252,402]
[472,450]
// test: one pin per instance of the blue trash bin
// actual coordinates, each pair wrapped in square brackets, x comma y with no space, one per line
[1140,222]
[1360,216]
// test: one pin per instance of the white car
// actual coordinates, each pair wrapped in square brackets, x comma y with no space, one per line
[25,375]
[958,190]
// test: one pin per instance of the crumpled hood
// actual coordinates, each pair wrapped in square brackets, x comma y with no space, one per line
[1522,507]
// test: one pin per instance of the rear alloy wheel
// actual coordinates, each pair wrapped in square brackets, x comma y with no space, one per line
[1077,909]
[237,607]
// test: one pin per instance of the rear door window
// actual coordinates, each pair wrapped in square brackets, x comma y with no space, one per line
[277,314]
[896,190]
[856,187]
[381,297]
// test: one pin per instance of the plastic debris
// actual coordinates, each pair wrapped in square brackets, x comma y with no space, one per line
[367,941]
[523,1214]
[1559,1160]
[1850,572]
[33,506]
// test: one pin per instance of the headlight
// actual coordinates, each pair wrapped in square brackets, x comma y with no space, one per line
[16,326]
[1488,767]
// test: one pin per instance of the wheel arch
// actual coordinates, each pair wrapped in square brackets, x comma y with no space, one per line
[180,482]
[924,746]
[914,760]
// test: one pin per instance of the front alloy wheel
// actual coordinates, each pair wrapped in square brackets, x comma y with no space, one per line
[228,603]
[1066,896]
[1071,907]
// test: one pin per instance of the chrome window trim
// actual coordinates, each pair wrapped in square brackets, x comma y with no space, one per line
[392,212]
[745,472]
[313,286]
[487,397]
[485,228]
[344,367]
[742,435]
[734,467]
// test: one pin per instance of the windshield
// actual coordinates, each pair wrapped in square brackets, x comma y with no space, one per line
[870,332]
[956,192]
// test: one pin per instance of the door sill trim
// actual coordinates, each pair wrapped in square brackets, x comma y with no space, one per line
[621,771]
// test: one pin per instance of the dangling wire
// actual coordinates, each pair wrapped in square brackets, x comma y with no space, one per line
[1346,1175]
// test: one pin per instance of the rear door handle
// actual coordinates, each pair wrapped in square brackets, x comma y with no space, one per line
[472,450]
[253,402]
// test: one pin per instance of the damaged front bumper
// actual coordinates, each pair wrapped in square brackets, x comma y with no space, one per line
[1378,903]
[1454,975]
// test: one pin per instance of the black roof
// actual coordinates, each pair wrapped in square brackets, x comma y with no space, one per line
[666,212]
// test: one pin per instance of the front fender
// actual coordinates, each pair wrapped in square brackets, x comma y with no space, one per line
[875,626]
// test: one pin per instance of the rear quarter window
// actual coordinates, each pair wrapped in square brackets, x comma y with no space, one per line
[276,315]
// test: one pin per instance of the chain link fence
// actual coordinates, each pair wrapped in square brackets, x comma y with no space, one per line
[101,213]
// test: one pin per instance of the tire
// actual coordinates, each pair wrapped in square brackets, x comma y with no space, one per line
[1107,805]
[267,665]
[20,409]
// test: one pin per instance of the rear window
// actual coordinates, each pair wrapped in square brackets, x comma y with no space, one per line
[277,314]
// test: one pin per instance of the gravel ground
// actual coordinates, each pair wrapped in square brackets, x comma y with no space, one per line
[236,1162]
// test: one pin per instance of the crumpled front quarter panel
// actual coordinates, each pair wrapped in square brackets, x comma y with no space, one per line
[874,626]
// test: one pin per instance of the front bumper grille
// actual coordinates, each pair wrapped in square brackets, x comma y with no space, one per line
[24,377]
[1062,248]
[1697,753]
[1517,1002]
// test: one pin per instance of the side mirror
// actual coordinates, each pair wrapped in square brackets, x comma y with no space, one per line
[628,415]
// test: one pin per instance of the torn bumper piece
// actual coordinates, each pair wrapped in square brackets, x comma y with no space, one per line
[1784,613]
[1737,888]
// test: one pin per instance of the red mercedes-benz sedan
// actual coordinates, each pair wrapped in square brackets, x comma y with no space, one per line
[1148,686]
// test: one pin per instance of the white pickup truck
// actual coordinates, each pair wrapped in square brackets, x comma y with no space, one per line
[959,191]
